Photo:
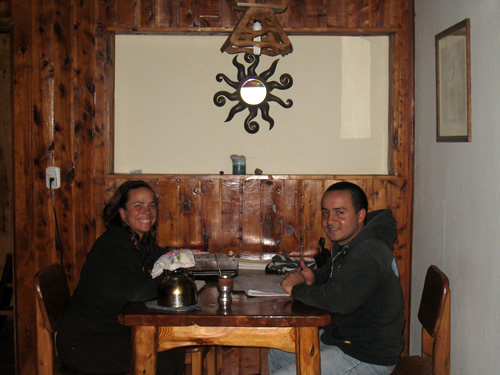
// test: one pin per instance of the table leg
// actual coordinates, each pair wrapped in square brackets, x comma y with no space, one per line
[307,351]
[144,350]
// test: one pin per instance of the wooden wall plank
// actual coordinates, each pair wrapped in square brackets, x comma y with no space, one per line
[149,13]
[127,13]
[401,209]
[209,14]
[44,131]
[188,13]
[228,17]
[6,147]
[379,13]
[79,164]
[311,211]
[291,216]
[364,13]
[168,14]
[211,213]
[169,215]
[231,217]
[63,115]
[296,17]
[190,202]
[271,211]
[315,13]
[352,13]
[337,13]
[63,134]
[251,220]
[24,260]
[107,12]
[94,124]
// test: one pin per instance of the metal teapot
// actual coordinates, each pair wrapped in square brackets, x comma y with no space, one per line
[177,289]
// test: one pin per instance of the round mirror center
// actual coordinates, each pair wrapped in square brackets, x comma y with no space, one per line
[253,91]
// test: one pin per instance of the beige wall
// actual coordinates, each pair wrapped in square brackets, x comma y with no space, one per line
[457,197]
[338,123]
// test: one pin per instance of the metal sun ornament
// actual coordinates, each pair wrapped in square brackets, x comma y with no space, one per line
[249,82]
[257,32]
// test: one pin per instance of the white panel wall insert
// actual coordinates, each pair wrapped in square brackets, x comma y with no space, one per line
[166,121]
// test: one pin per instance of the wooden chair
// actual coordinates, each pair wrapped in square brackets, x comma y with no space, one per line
[52,294]
[434,315]
[200,360]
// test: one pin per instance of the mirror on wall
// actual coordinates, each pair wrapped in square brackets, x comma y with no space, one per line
[253,91]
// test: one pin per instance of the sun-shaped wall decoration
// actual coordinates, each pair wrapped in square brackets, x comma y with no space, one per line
[253,91]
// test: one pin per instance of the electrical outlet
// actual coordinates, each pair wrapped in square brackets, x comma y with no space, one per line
[53,175]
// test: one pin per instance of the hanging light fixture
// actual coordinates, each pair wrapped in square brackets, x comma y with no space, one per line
[258,28]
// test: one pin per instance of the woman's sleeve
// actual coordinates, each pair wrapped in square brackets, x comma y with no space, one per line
[131,278]
[153,257]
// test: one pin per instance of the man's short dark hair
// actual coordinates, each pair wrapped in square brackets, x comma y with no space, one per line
[358,196]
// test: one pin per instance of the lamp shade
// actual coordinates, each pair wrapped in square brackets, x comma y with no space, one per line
[270,38]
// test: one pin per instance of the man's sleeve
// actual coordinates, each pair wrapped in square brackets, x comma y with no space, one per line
[350,287]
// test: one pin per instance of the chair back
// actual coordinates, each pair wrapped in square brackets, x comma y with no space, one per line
[434,315]
[52,294]
[434,296]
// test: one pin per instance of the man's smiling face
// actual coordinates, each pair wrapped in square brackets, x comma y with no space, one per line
[339,219]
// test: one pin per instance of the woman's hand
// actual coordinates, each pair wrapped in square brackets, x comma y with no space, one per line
[299,276]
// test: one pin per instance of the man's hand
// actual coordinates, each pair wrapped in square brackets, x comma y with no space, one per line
[307,273]
[299,276]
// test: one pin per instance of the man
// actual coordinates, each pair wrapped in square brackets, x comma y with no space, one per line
[359,285]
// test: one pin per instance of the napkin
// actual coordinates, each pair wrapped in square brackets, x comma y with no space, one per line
[181,258]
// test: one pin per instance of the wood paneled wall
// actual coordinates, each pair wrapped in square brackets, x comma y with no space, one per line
[62,115]
[6,205]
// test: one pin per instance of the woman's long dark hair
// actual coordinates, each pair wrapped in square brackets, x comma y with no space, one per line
[120,198]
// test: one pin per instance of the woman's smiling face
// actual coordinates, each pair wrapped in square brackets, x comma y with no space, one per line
[140,211]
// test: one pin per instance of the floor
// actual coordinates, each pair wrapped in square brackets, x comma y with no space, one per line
[7,361]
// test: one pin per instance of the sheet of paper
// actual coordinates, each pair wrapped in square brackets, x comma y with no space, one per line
[260,285]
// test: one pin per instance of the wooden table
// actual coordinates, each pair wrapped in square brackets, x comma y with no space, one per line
[255,322]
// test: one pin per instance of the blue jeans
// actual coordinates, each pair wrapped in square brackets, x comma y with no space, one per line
[333,362]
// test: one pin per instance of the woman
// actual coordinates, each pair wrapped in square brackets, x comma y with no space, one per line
[116,272]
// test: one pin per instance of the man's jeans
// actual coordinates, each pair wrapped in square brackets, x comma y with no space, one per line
[333,362]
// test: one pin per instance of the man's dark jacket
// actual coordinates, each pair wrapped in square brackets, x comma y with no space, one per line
[363,294]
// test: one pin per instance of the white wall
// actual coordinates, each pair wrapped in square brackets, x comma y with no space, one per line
[457,194]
